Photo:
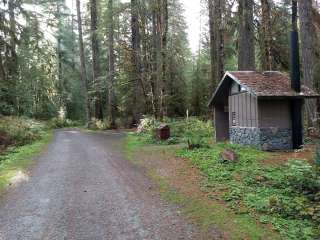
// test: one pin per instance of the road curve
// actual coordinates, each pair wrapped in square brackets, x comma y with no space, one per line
[82,188]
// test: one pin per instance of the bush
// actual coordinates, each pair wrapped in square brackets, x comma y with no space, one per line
[198,133]
[56,123]
[96,124]
[19,131]
[192,131]
[148,125]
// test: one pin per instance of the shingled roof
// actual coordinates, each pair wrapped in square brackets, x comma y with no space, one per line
[264,84]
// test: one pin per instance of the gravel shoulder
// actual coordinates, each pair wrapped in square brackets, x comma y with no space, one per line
[82,187]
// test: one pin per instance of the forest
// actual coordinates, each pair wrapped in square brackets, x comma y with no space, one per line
[107,130]
[119,60]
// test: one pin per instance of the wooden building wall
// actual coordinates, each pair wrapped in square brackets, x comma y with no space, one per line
[243,110]
[274,113]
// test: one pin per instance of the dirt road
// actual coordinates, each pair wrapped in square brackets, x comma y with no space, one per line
[81,187]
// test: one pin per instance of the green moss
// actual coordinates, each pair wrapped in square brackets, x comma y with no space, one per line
[19,158]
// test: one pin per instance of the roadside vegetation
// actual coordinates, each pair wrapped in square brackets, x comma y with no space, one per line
[20,139]
[285,196]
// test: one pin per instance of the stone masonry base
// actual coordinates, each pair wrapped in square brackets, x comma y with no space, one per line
[262,138]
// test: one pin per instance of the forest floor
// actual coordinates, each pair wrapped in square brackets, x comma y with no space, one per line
[82,187]
[261,195]
[181,183]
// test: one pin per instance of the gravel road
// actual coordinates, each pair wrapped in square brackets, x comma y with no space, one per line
[81,187]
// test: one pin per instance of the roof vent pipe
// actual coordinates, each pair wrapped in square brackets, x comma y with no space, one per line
[294,51]
[296,104]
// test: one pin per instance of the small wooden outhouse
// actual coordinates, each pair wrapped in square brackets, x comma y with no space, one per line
[255,108]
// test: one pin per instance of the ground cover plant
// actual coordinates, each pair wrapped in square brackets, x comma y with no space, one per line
[287,196]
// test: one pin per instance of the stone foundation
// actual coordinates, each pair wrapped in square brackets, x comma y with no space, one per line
[245,136]
[262,138]
[275,138]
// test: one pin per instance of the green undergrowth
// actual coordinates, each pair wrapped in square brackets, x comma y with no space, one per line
[189,131]
[18,131]
[19,158]
[286,196]
[20,139]
[206,215]
[210,216]
[56,123]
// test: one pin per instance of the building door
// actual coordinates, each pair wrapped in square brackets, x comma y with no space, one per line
[221,119]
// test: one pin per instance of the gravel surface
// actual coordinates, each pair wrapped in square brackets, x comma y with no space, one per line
[83,188]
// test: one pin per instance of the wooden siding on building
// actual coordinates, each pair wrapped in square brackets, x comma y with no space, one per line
[244,108]
[274,113]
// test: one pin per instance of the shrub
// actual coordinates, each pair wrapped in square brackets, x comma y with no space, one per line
[20,131]
[198,133]
[55,123]
[148,125]
[193,131]
[96,124]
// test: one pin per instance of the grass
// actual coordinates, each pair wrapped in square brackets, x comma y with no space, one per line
[132,143]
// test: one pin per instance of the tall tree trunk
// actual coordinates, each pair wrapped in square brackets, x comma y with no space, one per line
[95,58]
[112,96]
[59,59]
[147,65]
[216,11]
[138,88]
[219,8]
[13,44]
[212,43]
[2,69]
[155,62]
[2,43]
[246,58]
[13,63]
[159,39]
[308,43]
[266,58]
[83,71]
[164,33]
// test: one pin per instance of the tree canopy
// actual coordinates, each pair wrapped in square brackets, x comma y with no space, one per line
[118,60]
